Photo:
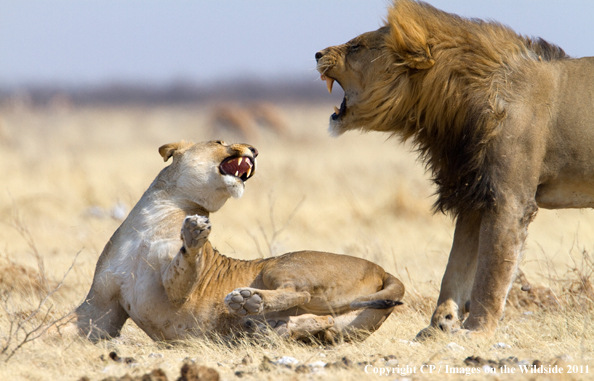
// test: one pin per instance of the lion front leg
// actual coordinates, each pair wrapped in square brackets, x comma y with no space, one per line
[456,285]
[502,237]
[181,275]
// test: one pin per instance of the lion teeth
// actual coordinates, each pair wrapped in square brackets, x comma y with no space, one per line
[240,160]
[249,172]
[336,110]
[329,83]
[236,173]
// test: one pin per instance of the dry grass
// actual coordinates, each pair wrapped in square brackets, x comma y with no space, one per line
[68,172]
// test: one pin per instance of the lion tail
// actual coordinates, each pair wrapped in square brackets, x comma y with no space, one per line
[389,296]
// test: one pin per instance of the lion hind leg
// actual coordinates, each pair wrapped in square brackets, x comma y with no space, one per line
[251,301]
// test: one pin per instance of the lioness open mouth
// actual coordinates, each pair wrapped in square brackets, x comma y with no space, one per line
[241,167]
[338,113]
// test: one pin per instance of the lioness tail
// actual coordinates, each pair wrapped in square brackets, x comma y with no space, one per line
[389,296]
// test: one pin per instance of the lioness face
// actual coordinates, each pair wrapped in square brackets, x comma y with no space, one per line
[209,173]
[354,65]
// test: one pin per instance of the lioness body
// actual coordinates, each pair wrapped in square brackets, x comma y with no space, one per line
[505,124]
[170,293]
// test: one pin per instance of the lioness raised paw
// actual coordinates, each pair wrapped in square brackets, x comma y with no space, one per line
[195,231]
[244,301]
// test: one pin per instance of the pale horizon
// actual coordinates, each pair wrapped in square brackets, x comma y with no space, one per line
[157,42]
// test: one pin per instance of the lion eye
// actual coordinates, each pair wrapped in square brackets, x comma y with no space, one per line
[355,47]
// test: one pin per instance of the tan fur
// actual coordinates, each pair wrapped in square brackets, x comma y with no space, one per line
[172,293]
[505,124]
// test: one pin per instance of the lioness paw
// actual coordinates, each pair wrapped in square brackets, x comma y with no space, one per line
[244,301]
[195,231]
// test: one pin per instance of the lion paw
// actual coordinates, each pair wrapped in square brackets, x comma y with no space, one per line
[244,301]
[195,231]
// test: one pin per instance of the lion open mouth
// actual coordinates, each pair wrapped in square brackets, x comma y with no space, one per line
[241,167]
[338,113]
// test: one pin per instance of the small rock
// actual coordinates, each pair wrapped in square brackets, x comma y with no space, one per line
[247,360]
[455,347]
[155,355]
[487,369]
[287,361]
[267,364]
[126,360]
[192,372]
[344,363]
[501,345]
[155,375]
[303,369]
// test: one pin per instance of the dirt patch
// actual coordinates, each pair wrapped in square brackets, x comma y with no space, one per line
[188,372]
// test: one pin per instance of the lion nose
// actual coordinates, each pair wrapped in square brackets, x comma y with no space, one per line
[254,151]
[318,55]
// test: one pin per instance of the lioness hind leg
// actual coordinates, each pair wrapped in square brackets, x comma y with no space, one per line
[298,327]
[97,320]
[306,325]
[356,325]
[252,301]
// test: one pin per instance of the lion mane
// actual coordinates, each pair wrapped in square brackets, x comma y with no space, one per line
[452,111]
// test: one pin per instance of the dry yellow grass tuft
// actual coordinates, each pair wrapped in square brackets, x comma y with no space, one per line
[69,176]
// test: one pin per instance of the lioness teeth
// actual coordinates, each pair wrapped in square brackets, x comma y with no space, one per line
[241,167]
[336,110]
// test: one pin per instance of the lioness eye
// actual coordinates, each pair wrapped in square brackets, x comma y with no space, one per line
[355,47]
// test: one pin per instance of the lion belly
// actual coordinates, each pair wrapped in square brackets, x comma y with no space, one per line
[566,195]
[137,268]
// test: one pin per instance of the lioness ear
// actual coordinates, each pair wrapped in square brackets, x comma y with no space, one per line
[167,150]
[408,21]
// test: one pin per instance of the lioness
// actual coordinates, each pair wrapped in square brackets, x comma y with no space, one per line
[174,287]
[504,122]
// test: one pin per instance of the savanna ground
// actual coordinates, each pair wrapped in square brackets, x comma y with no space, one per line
[68,174]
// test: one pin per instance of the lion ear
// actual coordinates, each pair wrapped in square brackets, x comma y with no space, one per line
[409,33]
[167,150]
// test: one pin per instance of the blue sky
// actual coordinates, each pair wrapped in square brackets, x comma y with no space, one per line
[90,42]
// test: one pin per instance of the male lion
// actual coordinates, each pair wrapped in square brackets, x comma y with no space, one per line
[173,287]
[504,122]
